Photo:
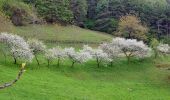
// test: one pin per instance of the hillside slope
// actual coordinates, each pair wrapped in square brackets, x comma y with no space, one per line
[60,33]
[54,33]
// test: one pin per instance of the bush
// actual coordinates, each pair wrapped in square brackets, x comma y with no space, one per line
[88,23]
[19,12]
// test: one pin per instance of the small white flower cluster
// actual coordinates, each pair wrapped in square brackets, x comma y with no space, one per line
[164,48]
[18,46]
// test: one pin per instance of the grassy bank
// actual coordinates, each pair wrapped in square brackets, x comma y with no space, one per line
[135,81]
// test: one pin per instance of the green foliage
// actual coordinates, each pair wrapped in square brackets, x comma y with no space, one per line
[9,6]
[130,27]
[154,44]
[19,12]
[89,23]
[55,10]
[30,1]
[166,40]
[79,9]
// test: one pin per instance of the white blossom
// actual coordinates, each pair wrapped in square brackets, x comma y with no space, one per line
[77,57]
[112,51]
[13,41]
[132,47]
[97,54]
[37,46]
[49,54]
[164,48]
[25,55]
[18,46]
[58,53]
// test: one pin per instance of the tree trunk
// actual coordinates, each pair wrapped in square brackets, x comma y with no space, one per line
[37,60]
[128,58]
[98,63]
[48,61]
[156,54]
[72,66]
[58,62]
[15,60]
[111,63]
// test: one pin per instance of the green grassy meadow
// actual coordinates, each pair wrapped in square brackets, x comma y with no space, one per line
[139,80]
[135,81]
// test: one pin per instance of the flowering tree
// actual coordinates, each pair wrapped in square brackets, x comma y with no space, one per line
[164,48]
[132,48]
[77,57]
[97,54]
[49,55]
[58,54]
[18,47]
[112,51]
[37,47]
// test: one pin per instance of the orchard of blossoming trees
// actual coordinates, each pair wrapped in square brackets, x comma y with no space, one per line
[106,53]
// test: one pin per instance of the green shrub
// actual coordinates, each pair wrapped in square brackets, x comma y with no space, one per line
[19,12]
[89,23]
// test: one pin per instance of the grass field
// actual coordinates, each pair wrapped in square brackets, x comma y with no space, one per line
[139,80]
[135,81]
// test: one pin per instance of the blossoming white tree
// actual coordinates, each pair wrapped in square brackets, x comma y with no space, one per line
[132,48]
[97,54]
[49,55]
[77,57]
[38,47]
[112,51]
[58,54]
[18,47]
[164,48]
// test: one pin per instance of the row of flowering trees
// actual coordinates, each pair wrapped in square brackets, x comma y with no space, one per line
[23,50]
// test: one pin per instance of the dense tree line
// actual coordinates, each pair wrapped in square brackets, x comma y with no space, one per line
[104,15]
